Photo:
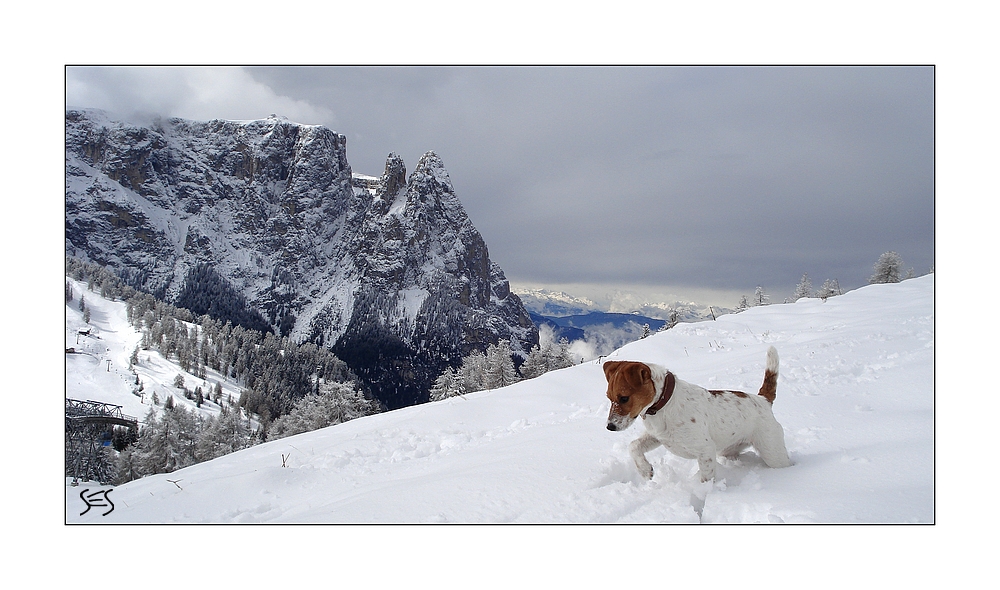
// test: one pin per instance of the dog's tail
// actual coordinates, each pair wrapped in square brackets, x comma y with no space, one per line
[770,386]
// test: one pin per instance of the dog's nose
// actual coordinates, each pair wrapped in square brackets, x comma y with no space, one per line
[611,426]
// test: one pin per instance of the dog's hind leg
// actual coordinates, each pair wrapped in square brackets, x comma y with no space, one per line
[770,444]
[638,449]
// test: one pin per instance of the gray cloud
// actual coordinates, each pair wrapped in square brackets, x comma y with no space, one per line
[686,180]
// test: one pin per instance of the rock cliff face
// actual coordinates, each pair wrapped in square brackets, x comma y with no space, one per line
[393,278]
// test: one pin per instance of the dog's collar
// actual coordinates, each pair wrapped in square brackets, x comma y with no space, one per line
[668,390]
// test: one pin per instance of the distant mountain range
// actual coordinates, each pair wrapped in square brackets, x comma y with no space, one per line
[555,303]
[559,304]
[578,319]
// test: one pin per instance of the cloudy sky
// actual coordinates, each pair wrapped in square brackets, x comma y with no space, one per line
[693,183]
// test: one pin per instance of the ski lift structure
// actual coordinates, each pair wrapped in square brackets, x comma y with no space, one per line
[89,428]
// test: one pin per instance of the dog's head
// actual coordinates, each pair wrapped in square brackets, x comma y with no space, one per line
[630,389]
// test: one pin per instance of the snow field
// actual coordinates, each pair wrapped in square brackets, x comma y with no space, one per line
[855,398]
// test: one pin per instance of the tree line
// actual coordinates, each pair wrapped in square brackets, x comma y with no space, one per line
[284,385]
[888,269]
[495,368]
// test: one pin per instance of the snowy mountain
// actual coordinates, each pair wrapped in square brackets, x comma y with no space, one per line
[264,223]
[855,397]
[555,303]
[595,329]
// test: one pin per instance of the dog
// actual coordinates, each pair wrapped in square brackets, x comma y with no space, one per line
[693,422]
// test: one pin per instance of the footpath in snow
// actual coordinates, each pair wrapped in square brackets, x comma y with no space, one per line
[855,398]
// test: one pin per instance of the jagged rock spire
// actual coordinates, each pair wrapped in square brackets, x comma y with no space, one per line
[394,177]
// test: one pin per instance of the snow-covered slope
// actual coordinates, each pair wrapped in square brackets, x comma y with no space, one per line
[855,397]
[98,368]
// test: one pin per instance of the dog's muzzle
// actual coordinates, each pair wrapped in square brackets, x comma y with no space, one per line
[618,422]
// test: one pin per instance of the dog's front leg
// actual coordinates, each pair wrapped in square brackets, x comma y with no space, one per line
[638,449]
[706,467]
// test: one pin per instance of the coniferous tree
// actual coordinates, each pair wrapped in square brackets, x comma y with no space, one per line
[760,297]
[672,320]
[829,288]
[448,384]
[473,372]
[888,269]
[558,355]
[335,403]
[535,365]
[168,442]
[803,289]
[227,433]
[500,370]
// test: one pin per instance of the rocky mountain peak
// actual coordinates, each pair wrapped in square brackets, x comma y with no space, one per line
[399,285]
[394,177]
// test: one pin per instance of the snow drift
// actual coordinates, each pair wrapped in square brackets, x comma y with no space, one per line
[855,398]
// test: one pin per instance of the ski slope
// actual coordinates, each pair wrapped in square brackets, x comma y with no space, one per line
[855,398]
[98,369]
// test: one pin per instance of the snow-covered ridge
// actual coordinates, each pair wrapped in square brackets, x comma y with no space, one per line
[855,397]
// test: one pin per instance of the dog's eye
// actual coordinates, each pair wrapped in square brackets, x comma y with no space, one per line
[623,399]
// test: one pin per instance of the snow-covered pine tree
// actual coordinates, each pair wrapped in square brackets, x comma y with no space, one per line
[226,433]
[167,442]
[448,384]
[760,297]
[743,305]
[473,372]
[888,269]
[335,403]
[803,289]
[829,288]
[535,365]
[672,320]
[558,355]
[500,370]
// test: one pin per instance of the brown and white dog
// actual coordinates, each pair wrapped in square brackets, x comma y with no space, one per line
[693,422]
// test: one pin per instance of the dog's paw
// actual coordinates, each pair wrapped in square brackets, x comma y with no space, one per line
[645,469]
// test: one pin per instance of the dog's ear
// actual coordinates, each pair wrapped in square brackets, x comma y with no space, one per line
[611,367]
[638,374]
